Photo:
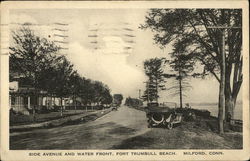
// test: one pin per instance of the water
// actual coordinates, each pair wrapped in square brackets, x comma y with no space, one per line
[214,110]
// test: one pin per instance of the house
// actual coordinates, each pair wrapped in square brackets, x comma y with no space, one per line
[22,99]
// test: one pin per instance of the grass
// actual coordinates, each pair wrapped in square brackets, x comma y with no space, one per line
[28,119]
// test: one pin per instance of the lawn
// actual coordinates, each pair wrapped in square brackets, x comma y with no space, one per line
[28,119]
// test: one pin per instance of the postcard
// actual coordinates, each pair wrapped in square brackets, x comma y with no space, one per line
[125,80]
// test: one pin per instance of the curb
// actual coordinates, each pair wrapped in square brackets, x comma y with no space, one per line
[62,121]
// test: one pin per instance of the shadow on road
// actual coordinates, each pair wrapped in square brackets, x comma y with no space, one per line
[135,143]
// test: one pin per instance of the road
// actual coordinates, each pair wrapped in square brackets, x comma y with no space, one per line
[124,129]
[106,132]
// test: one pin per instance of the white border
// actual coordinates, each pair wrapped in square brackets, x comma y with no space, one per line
[23,154]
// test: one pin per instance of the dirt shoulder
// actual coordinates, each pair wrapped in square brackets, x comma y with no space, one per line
[188,135]
[201,133]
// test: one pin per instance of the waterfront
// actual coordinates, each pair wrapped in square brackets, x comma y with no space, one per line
[213,108]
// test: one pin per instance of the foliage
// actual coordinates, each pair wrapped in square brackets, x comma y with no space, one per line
[37,62]
[31,55]
[196,33]
[133,102]
[154,70]
[118,99]
[182,66]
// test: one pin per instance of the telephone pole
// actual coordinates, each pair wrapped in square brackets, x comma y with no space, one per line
[147,90]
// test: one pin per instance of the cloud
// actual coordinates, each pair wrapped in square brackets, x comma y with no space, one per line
[112,69]
[113,44]
[22,18]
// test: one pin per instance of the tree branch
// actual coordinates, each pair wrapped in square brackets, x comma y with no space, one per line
[202,42]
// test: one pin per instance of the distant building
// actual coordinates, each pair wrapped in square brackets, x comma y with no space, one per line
[22,99]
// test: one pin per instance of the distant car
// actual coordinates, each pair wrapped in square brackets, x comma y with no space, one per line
[114,107]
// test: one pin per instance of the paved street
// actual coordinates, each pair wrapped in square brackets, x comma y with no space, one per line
[104,133]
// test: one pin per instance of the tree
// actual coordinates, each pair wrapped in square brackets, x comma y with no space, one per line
[94,92]
[191,30]
[63,71]
[106,96]
[182,66]
[47,77]
[118,99]
[179,88]
[36,60]
[86,91]
[75,81]
[98,89]
[154,70]
[30,56]
[133,102]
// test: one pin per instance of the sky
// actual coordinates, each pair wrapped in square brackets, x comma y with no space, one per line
[107,45]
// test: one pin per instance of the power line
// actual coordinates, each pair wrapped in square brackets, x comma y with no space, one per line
[60,35]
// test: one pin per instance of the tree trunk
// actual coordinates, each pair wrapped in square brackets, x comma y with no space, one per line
[36,104]
[54,101]
[231,93]
[180,86]
[61,106]
[47,102]
[221,113]
[75,102]
[33,110]
[230,106]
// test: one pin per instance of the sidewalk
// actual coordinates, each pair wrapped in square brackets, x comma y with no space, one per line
[65,120]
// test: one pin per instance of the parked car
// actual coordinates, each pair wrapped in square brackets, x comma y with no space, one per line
[162,116]
[114,107]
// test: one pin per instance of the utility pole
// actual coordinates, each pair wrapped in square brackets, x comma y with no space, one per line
[147,90]
[139,93]
[221,114]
